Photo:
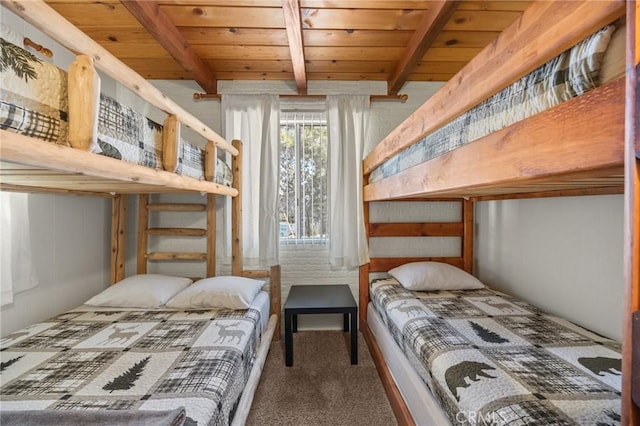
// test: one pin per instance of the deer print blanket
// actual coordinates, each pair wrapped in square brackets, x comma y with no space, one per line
[492,359]
[132,360]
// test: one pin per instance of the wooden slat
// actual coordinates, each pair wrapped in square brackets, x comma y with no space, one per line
[520,48]
[384,264]
[581,192]
[177,256]
[223,16]
[293,24]
[591,128]
[234,36]
[340,38]
[159,25]
[236,213]
[143,225]
[428,29]
[118,223]
[177,207]
[255,273]
[25,150]
[433,229]
[43,17]
[177,232]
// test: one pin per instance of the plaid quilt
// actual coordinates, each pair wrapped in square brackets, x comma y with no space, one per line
[492,359]
[570,74]
[124,360]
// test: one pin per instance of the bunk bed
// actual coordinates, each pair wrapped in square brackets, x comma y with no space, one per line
[458,146]
[158,353]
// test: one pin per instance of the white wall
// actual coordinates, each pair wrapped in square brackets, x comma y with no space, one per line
[564,255]
[70,247]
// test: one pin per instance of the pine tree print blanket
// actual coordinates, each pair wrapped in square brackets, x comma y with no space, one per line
[132,360]
[492,359]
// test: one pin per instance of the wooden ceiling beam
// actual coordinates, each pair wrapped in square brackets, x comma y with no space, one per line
[293,24]
[424,36]
[159,25]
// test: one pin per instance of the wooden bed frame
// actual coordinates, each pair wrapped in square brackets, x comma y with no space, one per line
[524,160]
[32,165]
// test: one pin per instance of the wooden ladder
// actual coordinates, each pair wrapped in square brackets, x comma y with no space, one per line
[145,208]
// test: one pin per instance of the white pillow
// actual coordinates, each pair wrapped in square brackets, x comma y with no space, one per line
[140,291]
[426,276]
[218,292]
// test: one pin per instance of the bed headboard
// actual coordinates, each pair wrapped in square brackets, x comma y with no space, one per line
[462,229]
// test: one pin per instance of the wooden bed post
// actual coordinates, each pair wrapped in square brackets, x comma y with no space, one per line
[211,235]
[236,212]
[276,296]
[467,239]
[631,332]
[364,269]
[210,154]
[170,143]
[84,101]
[118,219]
[143,225]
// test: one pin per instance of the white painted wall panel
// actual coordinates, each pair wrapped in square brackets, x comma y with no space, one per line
[564,255]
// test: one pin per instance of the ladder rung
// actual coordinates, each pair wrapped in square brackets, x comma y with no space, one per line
[177,207]
[178,232]
[176,256]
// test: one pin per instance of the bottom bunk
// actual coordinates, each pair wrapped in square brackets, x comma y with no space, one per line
[478,356]
[176,356]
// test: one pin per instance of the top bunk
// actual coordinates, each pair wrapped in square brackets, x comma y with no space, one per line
[59,133]
[538,112]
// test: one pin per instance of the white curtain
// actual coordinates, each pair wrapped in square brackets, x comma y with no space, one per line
[16,264]
[347,120]
[255,120]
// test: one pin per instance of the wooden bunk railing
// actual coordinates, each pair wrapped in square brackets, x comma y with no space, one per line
[521,158]
[545,29]
[50,22]
[58,168]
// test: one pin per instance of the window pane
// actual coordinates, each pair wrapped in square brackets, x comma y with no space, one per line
[303,177]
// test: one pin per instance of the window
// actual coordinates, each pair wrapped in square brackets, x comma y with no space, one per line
[303,177]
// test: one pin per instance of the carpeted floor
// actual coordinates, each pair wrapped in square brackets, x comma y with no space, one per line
[322,387]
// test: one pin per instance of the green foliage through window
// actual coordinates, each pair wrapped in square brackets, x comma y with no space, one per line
[303,177]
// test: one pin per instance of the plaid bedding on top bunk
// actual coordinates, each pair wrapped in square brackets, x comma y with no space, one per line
[132,360]
[492,359]
[34,102]
[570,74]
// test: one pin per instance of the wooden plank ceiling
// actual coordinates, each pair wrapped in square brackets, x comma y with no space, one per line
[299,40]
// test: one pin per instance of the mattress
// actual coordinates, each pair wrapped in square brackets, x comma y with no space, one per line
[34,102]
[123,359]
[489,357]
[574,72]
